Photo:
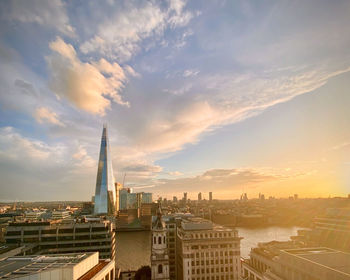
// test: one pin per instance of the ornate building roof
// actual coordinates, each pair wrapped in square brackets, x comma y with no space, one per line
[159,223]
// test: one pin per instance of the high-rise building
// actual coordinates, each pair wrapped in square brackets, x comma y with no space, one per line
[185,197]
[118,187]
[123,198]
[205,250]
[105,196]
[210,196]
[159,254]
[146,197]
[174,199]
[199,196]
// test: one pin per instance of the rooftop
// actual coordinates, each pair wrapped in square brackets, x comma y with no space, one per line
[336,260]
[14,267]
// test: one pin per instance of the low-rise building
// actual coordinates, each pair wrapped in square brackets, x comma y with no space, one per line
[33,215]
[60,215]
[78,266]
[55,237]
[269,262]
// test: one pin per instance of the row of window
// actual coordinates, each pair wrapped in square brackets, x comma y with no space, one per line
[216,254]
[212,262]
[217,277]
[212,270]
[212,235]
[213,246]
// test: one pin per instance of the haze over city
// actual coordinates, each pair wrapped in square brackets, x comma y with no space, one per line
[223,96]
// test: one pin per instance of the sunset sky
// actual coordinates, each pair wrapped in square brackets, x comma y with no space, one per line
[222,96]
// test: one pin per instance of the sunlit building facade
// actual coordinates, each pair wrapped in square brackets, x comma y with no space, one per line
[206,251]
[105,196]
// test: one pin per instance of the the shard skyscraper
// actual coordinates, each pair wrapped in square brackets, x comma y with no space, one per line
[105,196]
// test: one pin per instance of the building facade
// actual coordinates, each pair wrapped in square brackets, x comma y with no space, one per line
[159,254]
[77,266]
[105,195]
[55,237]
[206,251]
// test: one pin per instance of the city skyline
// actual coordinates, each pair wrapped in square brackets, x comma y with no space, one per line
[219,97]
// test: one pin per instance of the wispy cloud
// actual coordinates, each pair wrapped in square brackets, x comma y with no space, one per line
[119,37]
[50,14]
[43,115]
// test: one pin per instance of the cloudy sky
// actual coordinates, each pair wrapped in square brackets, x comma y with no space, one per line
[222,96]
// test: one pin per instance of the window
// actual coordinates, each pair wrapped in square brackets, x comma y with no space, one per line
[160,268]
[155,240]
[159,240]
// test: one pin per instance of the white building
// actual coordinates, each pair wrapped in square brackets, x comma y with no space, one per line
[206,251]
[159,255]
[60,215]
[33,215]
[82,266]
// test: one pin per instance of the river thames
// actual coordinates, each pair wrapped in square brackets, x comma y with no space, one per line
[133,248]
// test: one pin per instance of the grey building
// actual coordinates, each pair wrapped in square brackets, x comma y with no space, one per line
[56,237]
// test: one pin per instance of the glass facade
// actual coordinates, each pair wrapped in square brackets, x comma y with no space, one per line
[105,196]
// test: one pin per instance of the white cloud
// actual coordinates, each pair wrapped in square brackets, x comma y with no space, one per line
[175,173]
[24,150]
[131,71]
[51,14]
[190,72]
[44,114]
[120,36]
[86,85]
[170,133]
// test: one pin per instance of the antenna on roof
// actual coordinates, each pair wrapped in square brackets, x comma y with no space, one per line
[124,179]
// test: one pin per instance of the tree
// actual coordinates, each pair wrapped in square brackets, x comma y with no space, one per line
[143,273]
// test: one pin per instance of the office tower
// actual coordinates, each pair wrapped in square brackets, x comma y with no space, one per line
[63,266]
[159,254]
[123,198]
[185,197]
[105,196]
[205,250]
[174,199]
[62,238]
[118,187]
[210,196]
[199,196]
[244,197]
[147,197]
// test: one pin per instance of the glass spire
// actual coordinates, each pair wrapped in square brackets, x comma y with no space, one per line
[105,196]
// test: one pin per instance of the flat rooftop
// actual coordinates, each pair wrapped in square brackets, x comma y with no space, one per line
[14,267]
[336,260]
[196,223]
